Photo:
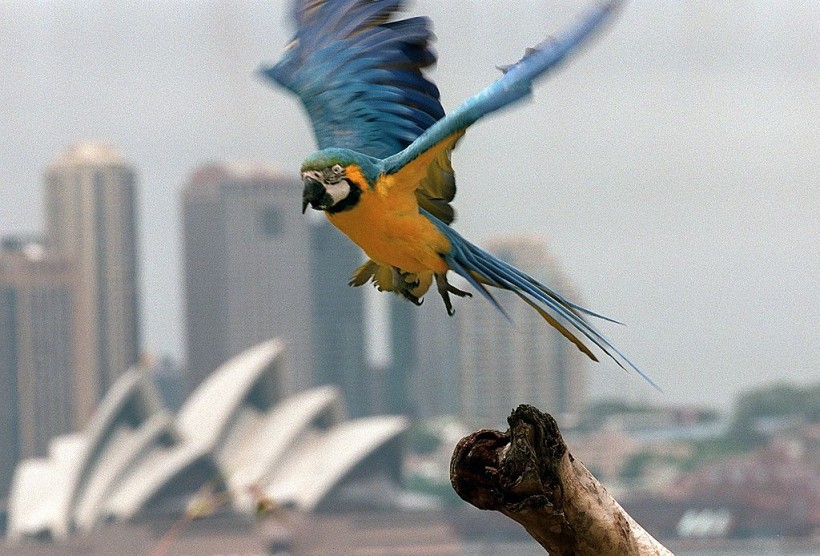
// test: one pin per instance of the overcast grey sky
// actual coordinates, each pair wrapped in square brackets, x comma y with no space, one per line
[673,166]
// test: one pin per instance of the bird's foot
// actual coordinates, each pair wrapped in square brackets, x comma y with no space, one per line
[445,288]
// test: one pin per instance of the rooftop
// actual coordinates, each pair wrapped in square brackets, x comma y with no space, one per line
[90,153]
[237,171]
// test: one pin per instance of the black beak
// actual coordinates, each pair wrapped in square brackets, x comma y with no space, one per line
[313,194]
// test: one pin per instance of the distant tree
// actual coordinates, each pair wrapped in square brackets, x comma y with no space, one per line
[596,414]
[433,487]
[708,416]
[772,402]
[636,464]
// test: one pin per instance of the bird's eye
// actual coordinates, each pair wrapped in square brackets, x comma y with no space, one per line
[337,170]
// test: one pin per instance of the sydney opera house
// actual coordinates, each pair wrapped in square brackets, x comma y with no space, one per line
[234,440]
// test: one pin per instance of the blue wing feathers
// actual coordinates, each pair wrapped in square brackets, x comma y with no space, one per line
[515,84]
[359,74]
[366,14]
[328,21]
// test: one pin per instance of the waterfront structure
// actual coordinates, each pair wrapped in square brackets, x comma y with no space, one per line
[90,215]
[234,438]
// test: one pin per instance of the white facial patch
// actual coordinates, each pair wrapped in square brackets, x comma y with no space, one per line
[338,191]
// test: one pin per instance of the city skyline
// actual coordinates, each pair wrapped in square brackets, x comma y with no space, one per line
[669,166]
[254,271]
[69,304]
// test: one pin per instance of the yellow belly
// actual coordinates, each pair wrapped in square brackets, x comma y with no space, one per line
[393,233]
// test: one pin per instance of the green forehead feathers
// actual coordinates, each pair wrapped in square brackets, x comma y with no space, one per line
[328,158]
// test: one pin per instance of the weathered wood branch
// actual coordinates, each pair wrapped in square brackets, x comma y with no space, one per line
[528,474]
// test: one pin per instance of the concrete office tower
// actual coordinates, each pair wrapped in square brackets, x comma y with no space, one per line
[504,364]
[38,329]
[256,268]
[422,377]
[90,202]
[338,333]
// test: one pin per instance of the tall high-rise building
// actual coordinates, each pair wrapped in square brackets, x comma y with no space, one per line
[338,311]
[256,268]
[90,203]
[38,341]
[434,386]
[405,354]
[504,363]
[421,379]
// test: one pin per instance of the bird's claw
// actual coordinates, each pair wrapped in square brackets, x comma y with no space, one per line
[445,289]
[413,299]
[404,283]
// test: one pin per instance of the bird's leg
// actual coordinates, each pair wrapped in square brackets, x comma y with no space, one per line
[445,289]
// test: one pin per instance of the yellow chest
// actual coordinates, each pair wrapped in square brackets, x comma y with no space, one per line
[391,231]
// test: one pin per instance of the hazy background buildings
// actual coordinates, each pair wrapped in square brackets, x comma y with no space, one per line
[68,302]
[671,166]
[255,269]
[38,347]
[526,361]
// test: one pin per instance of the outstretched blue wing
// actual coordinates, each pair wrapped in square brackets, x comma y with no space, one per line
[515,84]
[359,74]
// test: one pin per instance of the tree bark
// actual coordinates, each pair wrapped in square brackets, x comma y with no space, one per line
[528,474]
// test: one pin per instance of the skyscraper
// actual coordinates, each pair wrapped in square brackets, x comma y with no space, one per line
[338,315]
[503,363]
[38,335]
[435,384]
[91,220]
[422,379]
[405,355]
[256,268]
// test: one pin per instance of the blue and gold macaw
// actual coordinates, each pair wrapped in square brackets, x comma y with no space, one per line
[383,175]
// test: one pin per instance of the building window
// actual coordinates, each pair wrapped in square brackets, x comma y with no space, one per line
[270,221]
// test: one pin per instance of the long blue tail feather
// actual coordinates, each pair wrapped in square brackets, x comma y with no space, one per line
[466,258]
[549,292]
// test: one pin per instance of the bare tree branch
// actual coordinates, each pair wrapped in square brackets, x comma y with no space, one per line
[528,474]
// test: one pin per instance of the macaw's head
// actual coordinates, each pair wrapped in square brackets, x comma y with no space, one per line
[335,178]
